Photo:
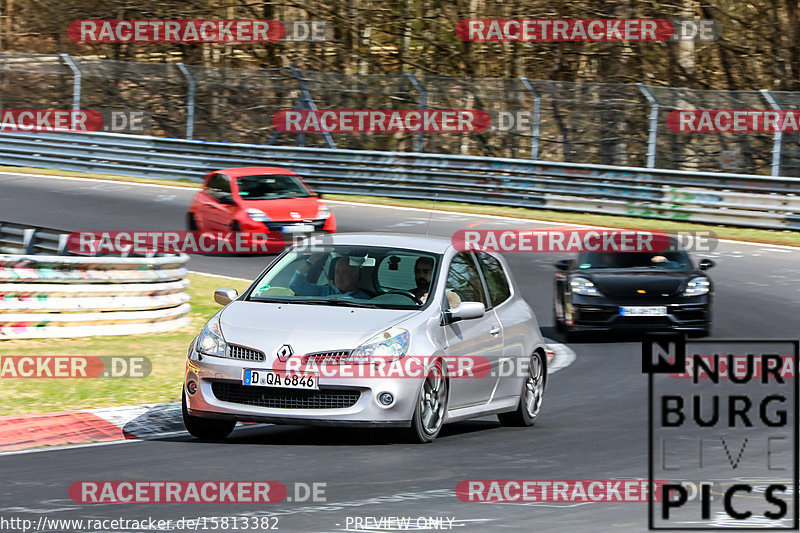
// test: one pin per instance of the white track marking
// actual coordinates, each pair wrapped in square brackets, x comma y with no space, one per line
[564,356]
[219,276]
[73,178]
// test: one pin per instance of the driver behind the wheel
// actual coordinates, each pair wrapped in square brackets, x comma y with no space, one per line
[345,279]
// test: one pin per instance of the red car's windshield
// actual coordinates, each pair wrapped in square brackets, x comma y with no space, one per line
[270,187]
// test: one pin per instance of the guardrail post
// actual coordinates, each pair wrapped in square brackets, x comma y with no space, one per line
[62,244]
[189,100]
[777,136]
[652,136]
[537,106]
[308,102]
[422,103]
[76,86]
[28,240]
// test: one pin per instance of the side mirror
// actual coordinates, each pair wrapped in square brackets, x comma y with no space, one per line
[705,264]
[225,296]
[465,311]
[564,264]
[225,198]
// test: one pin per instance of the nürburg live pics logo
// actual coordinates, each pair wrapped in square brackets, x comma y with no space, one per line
[729,430]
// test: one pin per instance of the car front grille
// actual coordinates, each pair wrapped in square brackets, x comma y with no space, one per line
[244,354]
[285,398]
[332,356]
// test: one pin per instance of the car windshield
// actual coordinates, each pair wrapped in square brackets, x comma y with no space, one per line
[667,260]
[351,276]
[270,187]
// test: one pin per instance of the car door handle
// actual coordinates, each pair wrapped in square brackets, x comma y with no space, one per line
[495,331]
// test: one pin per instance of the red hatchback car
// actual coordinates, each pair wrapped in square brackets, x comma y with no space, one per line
[260,200]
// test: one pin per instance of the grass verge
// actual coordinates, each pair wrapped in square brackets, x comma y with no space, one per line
[166,351]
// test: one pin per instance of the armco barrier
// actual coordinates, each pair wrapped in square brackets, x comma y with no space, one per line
[46,296]
[716,198]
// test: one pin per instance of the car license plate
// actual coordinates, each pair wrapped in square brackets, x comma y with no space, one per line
[298,228]
[284,380]
[656,310]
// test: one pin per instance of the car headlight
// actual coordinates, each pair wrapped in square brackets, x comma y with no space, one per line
[210,340]
[257,214]
[323,212]
[697,286]
[391,343]
[583,286]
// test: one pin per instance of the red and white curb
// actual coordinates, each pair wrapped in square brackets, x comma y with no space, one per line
[110,424]
[18,432]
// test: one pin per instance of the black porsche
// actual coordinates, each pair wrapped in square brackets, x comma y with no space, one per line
[599,291]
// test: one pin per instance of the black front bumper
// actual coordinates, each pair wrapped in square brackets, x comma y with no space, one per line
[589,315]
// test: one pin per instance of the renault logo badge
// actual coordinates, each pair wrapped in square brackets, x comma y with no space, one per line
[284,353]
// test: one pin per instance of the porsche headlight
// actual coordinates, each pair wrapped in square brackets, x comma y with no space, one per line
[697,286]
[210,341]
[583,286]
[391,343]
[257,215]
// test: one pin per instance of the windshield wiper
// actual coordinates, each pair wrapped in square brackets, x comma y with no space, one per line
[267,299]
[343,303]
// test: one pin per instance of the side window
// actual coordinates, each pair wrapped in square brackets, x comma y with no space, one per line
[219,186]
[463,280]
[496,279]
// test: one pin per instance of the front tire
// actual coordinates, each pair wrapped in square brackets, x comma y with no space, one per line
[205,428]
[431,406]
[191,223]
[530,399]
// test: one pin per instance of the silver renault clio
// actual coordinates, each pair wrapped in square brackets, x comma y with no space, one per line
[372,330]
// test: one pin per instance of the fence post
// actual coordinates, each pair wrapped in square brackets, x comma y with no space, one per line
[537,108]
[421,104]
[309,102]
[652,136]
[777,136]
[189,100]
[76,87]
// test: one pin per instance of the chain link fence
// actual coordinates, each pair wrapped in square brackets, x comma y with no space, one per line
[611,124]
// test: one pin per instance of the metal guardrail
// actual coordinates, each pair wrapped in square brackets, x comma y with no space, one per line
[45,294]
[716,198]
[623,124]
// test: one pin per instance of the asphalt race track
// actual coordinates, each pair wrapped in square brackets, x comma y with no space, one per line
[593,423]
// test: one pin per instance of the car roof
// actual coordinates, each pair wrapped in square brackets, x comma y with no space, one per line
[249,171]
[413,241]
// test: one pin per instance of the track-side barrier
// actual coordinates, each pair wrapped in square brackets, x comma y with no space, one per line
[49,296]
[716,198]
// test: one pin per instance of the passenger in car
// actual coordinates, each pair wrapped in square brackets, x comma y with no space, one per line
[345,280]
[423,272]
